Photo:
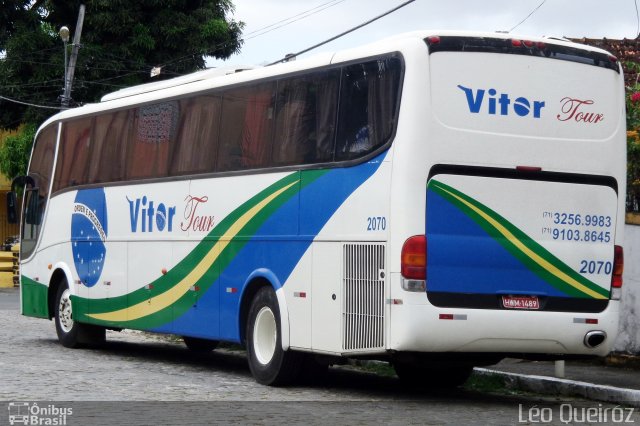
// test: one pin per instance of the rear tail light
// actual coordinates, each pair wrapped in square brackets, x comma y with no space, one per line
[413,263]
[618,267]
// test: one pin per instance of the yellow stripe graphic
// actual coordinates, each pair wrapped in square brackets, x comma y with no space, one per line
[162,301]
[526,250]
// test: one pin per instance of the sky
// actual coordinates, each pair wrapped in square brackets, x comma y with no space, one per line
[313,21]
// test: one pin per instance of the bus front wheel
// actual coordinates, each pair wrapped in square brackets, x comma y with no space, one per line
[268,362]
[73,334]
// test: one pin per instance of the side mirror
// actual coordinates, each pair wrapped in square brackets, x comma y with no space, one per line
[21,182]
[12,211]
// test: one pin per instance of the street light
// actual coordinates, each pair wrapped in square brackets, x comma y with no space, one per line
[64,35]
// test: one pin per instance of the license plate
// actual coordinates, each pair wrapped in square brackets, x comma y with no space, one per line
[520,302]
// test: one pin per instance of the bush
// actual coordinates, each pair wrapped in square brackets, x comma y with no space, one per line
[15,152]
[633,142]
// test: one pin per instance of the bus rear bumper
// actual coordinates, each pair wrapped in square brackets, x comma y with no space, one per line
[425,328]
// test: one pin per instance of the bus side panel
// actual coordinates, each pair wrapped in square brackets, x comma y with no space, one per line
[349,253]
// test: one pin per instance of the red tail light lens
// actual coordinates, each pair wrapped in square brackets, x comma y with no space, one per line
[618,267]
[414,258]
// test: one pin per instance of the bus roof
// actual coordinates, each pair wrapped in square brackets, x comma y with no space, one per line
[212,78]
[177,81]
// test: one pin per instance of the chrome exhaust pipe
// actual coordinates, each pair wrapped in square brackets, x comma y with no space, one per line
[594,338]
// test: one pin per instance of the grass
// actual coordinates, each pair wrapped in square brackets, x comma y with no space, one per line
[375,367]
[486,383]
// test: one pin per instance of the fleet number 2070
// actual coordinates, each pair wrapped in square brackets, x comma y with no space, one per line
[376,223]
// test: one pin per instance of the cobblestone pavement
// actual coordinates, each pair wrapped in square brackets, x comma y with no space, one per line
[138,378]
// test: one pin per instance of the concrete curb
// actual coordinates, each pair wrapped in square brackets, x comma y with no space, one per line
[564,387]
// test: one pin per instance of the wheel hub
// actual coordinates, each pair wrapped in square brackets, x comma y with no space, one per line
[64,312]
[265,335]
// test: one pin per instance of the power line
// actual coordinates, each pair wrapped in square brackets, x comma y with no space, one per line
[35,84]
[346,32]
[144,68]
[29,104]
[292,19]
[264,30]
[528,16]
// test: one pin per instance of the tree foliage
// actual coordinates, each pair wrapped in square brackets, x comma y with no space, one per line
[121,41]
[633,142]
[15,152]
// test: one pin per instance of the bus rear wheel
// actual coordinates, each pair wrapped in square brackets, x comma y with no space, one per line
[73,334]
[268,362]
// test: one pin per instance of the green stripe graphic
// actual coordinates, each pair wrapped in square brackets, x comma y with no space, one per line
[534,256]
[83,308]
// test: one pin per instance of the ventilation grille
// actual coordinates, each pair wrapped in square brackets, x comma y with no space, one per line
[363,284]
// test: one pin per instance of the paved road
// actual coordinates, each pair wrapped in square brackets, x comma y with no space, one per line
[138,378]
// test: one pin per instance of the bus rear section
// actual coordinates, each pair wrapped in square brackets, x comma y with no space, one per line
[524,193]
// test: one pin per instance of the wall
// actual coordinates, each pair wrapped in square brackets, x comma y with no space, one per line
[629,337]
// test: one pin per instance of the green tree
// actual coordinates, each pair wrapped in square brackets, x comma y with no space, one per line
[121,42]
[633,140]
[15,152]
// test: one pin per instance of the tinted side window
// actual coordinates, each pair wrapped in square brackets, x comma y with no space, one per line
[73,154]
[111,135]
[305,119]
[40,170]
[246,127]
[41,166]
[153,138]
[198,133]
[368,106]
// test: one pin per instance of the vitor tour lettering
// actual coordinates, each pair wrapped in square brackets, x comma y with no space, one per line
[498,104]
[144,213]
[572,109]
[193,220]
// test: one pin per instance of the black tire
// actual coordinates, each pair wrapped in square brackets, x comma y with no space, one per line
[269,363]
[73,334]
[432,377]
[198,345]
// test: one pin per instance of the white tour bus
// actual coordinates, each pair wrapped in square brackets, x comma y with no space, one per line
[439,200]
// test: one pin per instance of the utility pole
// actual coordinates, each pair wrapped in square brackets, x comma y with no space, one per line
[68,78]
